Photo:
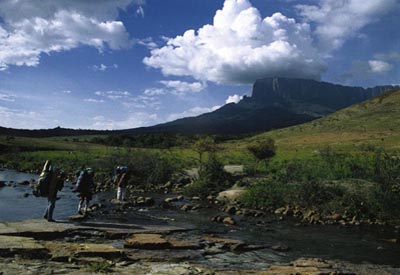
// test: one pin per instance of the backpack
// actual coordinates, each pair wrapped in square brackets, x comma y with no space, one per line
[41,189]
[85,180]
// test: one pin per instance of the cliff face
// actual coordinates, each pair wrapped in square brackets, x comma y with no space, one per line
[289,92]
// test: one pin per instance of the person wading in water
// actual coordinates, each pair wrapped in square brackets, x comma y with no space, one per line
[53,181]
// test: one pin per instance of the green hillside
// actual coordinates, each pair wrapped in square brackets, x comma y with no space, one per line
[374,122]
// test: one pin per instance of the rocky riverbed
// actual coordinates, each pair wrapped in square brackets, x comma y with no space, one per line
[157,233]
[39,247]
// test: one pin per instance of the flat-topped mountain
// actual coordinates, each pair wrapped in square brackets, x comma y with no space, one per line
[274,103]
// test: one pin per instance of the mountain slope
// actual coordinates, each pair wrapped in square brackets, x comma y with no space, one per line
[372,122]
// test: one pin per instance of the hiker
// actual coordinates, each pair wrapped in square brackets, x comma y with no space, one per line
[84,187]
[55,182]
[121,179]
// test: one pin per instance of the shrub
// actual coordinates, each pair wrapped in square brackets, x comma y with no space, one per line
[212,179]
[269,194]
[262,150]
[100,267]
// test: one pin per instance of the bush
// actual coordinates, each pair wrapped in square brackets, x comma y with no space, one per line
[315,194]
[212,179]
[262,150]
[100,267]
[269,194]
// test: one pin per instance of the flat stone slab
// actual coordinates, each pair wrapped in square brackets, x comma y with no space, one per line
[27,247]
[170,256]
[61,250]
[42,229]
[77,217]
[157,241]
[147,241]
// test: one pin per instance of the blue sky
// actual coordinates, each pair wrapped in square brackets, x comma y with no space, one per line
[130,63]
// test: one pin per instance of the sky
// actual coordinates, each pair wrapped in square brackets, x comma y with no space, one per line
[102,64]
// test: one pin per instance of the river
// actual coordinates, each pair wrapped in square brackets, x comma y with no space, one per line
[354,244]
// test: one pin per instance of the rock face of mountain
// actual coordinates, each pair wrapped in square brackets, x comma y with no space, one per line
[310,96]
[275,103]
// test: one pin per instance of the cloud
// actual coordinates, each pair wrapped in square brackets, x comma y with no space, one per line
[143,102]
[240,47]
[155,91]
[175,87]
[233,99]
[336,20]
[180,87]
[378,66]
[5,96]
[113,95]
[364,70]
[140,12]
[93,100]
[147,42]
[31,28]
[132,120]
[192,112]
[103,67]
[389,57]
[23,119]
[66,91]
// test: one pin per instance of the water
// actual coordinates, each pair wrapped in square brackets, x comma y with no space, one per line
[354,244]
[15,207]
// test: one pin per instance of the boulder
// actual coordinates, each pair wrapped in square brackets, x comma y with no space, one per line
[229,220]
[280,210]
[232,194]
[334,217]
[186,207]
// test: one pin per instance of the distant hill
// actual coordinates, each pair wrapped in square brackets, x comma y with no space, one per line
[275,103]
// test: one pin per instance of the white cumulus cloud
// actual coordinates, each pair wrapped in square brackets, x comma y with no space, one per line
[239,47]
[233,99]
[378,66]
[337,20]
[30,28]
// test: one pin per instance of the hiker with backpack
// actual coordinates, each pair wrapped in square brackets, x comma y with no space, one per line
[121,180]
[84,186]
[51,180]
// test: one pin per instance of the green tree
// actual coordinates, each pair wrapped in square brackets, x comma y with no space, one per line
[262,150]
[202,146]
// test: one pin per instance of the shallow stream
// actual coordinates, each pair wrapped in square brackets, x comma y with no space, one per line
[354,244]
